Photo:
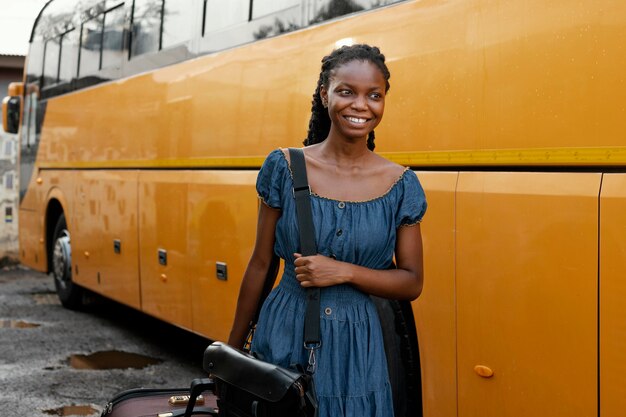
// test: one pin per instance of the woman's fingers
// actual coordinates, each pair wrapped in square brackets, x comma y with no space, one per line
[301,269]
[315,271]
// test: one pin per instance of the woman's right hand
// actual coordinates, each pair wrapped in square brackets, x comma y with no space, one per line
[320,271]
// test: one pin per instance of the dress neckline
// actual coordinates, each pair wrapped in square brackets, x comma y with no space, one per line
[379,197]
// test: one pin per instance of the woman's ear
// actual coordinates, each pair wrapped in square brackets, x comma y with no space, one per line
[324,96]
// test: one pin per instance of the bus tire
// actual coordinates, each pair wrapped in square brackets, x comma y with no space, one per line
[70,294]
[401,350]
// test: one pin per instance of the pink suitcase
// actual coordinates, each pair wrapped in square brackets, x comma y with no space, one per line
[198,400]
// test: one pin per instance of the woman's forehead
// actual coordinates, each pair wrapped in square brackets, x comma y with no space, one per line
[358,71]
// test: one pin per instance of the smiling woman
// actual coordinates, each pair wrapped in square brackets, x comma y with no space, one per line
[366,212]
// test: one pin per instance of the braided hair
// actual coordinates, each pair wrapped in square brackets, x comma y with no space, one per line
[319,124]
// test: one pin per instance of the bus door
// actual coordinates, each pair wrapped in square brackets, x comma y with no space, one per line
[527,293]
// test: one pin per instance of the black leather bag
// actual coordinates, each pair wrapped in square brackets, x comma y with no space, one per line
[249,387]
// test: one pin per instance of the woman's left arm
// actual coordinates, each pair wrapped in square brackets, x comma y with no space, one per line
[403,283]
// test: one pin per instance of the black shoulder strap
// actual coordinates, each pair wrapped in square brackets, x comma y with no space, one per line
[302,194]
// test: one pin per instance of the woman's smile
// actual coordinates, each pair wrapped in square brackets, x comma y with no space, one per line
[356,120]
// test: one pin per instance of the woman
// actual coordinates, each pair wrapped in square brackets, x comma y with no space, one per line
[366,209]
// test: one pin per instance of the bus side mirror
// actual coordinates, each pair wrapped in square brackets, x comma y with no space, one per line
[12,108]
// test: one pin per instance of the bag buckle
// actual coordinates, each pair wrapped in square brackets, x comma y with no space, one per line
[312,347]
[247,344]
[295,190]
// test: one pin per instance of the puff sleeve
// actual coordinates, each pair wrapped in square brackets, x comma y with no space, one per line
[412,204]
[270,180]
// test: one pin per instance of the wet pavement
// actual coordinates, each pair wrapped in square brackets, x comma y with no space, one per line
[57,362]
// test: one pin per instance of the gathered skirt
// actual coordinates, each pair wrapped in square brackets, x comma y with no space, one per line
[351,375]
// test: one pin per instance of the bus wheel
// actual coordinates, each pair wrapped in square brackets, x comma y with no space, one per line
[70,294]
[402,352]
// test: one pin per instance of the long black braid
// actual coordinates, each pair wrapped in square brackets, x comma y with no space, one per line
[319,124]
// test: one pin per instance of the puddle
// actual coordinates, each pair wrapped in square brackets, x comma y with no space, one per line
[72,410]
[16,324]
[112,359]
[46,298]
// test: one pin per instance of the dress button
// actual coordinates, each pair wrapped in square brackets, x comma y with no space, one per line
[339,232]
[341,204]
[328,311]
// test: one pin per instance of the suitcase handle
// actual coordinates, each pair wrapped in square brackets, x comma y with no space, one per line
[198,386]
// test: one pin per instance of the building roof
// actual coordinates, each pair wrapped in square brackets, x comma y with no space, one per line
[12,61]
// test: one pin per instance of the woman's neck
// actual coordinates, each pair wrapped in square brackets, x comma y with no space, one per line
[342,152]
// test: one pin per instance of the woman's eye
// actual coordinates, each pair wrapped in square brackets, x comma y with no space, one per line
[345,92]
[376,96]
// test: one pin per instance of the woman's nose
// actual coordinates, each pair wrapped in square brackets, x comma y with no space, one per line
[359,103]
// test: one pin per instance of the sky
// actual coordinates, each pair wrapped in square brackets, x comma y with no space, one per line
[16,21]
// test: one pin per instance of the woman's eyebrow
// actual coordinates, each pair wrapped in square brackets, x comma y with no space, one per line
[347,84]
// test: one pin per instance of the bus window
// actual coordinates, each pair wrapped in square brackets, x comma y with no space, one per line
[329,9]
[271,18]
[146,27]
[261,8]
[220,15]
[178,20]
[51,62]
[69,56]
[35,62]
[113,37]
[90,45]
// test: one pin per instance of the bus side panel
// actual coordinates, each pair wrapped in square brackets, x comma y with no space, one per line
[163,237]
[612,295]
[189,221]
[105,216]
[435,315]
[222,213]
[527,259]
[476,85]
[32,223]
[31,249]
[47,187]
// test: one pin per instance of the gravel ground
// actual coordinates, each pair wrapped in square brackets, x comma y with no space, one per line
[36,376]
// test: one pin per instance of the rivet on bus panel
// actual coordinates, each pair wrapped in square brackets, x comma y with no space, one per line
[163,278]
[86,254]
[39,180]
[41,240]
[483,371]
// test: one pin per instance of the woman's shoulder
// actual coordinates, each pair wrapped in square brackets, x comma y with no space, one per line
[276,155]
[275,165]
[274,161]
[404,179]
[389,169]
[271,179]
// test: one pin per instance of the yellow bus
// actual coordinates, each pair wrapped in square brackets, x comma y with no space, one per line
[143,125]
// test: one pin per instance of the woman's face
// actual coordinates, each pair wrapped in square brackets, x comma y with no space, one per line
[356,99]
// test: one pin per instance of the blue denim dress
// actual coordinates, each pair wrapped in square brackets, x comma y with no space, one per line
[351,378]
